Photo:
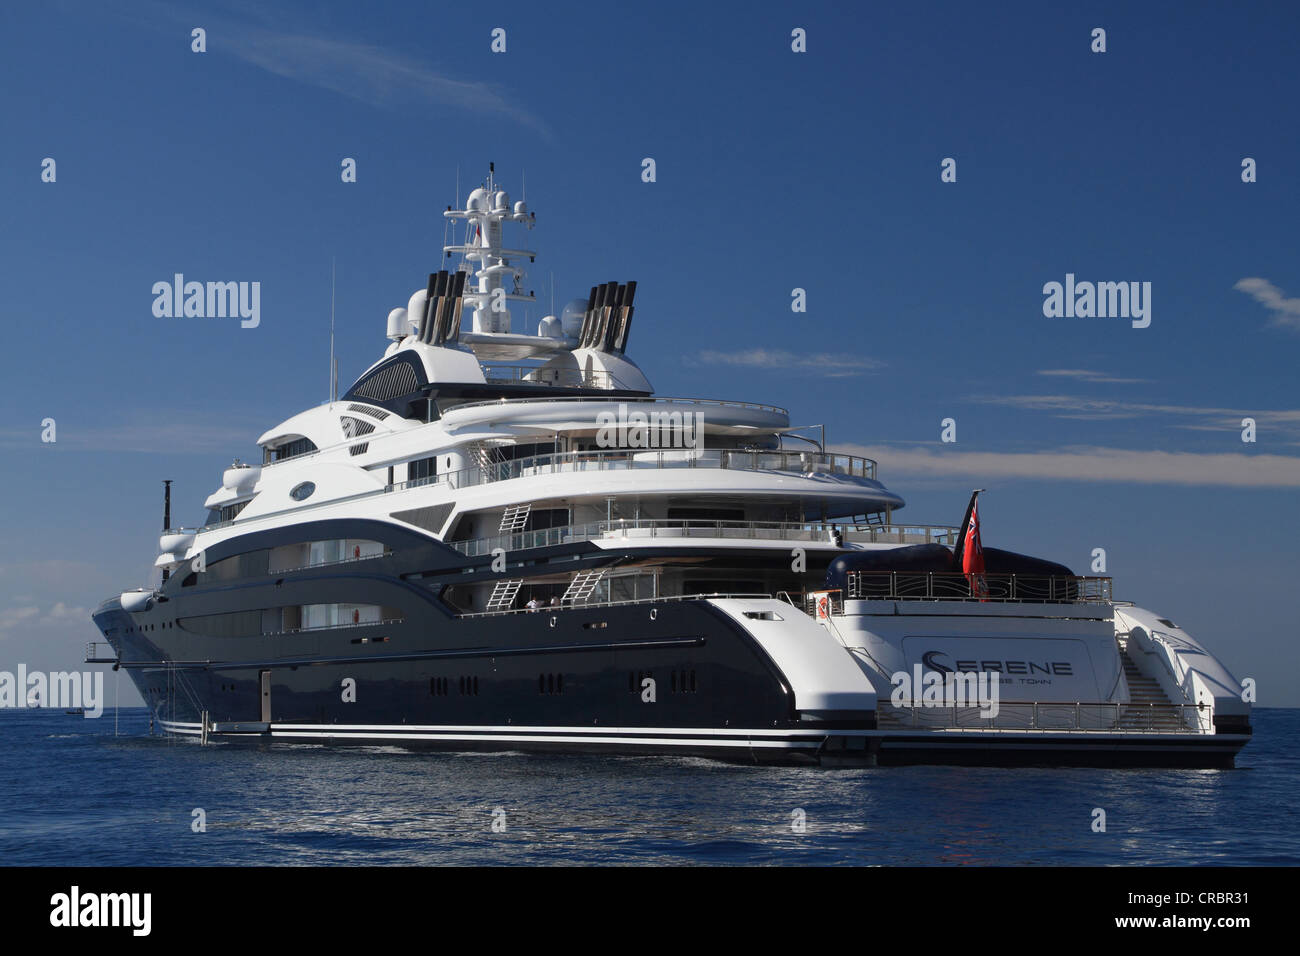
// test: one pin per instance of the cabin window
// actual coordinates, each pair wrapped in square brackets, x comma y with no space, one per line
[543,518]
[293,449]
[421,469]
[231,512]
[314,553]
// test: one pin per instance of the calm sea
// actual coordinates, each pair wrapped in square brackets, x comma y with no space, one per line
[71,792]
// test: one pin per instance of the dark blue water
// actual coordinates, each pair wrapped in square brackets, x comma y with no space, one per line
[73,793]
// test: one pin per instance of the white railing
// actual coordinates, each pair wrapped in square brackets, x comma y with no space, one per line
[578,605]
[954,586]
[703,402]
[618,459]
[553,377]
[1048,717]
[806,464]
[669,528]
[95,656]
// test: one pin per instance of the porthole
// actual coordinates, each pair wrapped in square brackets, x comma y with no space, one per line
[302,492]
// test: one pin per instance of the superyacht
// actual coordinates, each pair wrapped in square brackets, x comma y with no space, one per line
[505,540]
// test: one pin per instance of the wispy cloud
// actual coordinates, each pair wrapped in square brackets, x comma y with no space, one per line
[1079,407]
[1089,376]
[361,71]
[149,437]
[1286,312]
[29,616]
[1090,464]
[367,73]
[833,365]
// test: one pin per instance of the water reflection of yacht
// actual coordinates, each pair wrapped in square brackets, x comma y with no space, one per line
[504,540]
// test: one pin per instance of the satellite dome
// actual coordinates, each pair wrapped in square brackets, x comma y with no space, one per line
[550,328]
[398,327]
[477,201]
[416,306]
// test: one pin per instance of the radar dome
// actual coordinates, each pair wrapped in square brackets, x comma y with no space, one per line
[477,201]
[550,328]
[571,317]
[416,306]
[398,327]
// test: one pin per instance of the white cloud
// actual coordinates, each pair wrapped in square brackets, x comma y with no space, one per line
[1089,376]
[1286,312]
[16,616]
[66,612]
[176,437]
[19,620]
[1088,464]
[833,365]
[1081,408]
[361,71]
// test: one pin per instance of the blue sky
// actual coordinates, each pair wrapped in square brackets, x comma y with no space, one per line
[775,170]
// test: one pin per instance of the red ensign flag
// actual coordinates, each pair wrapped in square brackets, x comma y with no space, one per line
[972,558]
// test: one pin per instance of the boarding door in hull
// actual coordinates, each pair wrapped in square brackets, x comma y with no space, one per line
[265,681]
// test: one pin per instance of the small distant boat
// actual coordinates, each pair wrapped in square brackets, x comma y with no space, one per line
[76,711]
[34,698]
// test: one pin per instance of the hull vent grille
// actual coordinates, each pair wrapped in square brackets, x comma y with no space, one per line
[431,518]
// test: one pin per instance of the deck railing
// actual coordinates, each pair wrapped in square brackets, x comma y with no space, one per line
[946,586]
[537,375]
[587,605]
[658,529]
[808,464]
[95,656]
[1049,717]
[629,400]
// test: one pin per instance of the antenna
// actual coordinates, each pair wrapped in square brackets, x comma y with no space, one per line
[167,516]
[334,368]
